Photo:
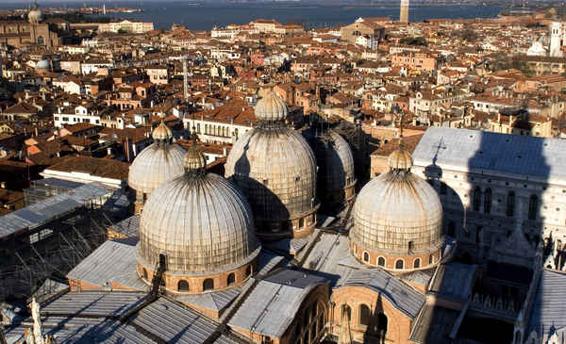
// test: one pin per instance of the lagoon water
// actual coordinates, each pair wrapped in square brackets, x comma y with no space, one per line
[204,16]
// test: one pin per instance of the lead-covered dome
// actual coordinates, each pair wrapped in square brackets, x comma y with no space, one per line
[397,219]
[276,169]
[335,178]
[202,225]
[156,164]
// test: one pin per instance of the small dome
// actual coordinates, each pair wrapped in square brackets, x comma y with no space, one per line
[397,213]
[194,159]
[35,15]
[276,170]
[335,167]
[270,107]
[162,132]
[201,223]
[155,165]
[400,159]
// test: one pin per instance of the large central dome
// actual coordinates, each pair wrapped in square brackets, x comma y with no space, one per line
[397,219]
[203,226]
[276,169]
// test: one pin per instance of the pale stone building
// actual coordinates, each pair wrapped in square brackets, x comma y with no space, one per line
[492,185]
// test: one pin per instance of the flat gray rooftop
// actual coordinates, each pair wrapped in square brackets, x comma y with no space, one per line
[521,157]
[51,208]
[94,317]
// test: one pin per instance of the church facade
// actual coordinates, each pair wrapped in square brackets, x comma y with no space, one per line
[20,33]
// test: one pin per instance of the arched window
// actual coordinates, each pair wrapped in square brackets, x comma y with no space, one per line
[430,259]
[40,40]
[476,199]
[399,264]
[381,261]
[510,211]
[533,207]
[417,263]
[183,285]
[366,257]
[411,246]
[301,222]
[487,201]
[365,315]
[208,284]
[231,279]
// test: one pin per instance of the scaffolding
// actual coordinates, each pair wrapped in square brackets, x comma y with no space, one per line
[51,252]
[50,237]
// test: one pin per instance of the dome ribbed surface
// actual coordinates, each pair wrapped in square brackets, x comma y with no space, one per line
[194,159]
[276,170]
[156,164]
[394,209]
[201,223]
[270,107]
[162,132]
[335,161]
[400,159]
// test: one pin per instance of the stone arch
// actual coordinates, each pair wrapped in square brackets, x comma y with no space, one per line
[364,314]
[208,284]
[231,279]
[366,256]
[182,285]
[417,263]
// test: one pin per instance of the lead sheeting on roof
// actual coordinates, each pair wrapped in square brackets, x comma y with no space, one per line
[113,261]
[46,210]
[88,317]
[273,303]
[398,293]
[479,151]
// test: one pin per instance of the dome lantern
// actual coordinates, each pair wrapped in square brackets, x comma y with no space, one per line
[195,161]
[270,107]
[162,133]
[400,160]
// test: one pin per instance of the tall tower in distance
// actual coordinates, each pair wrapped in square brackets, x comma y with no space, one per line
[404,12]
[555,49]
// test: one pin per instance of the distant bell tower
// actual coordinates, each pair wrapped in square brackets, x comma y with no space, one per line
[404,12]
[555,49]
